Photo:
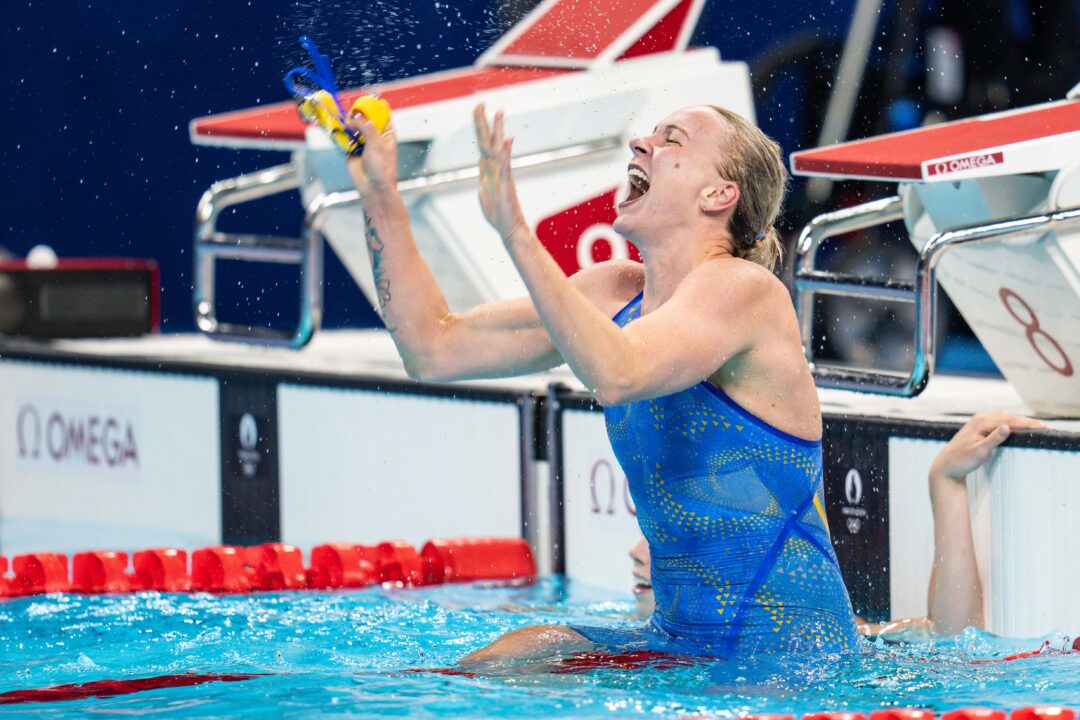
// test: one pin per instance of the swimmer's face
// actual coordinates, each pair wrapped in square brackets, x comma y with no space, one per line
[642,570]
[674,175]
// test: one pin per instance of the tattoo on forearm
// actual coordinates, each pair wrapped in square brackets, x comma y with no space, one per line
[382,284]
[374,242]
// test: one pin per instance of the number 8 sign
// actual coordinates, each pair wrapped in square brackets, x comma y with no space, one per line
[1038,338]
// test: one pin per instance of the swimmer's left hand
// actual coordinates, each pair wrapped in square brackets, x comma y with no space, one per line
[975,443]
[498,196]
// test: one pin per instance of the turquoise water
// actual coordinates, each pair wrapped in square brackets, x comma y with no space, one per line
[346,655]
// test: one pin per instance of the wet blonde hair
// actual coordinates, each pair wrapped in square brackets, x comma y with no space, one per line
[755,163]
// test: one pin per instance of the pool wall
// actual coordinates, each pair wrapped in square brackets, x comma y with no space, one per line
[179,441]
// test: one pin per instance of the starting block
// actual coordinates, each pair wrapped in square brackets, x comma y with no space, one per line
[576,80]
[992,205]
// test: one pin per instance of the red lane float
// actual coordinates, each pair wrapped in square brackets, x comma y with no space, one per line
[834,716]
[1043,712]
[219,569]
[272,567]
[39,573]
[902,714]
[277,566]
[339,565]
[473,559]
[1045,647]
[100,571]
[398,561]
[974,714]
[162,569]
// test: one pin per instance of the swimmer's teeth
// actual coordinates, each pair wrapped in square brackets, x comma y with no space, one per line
[638,180]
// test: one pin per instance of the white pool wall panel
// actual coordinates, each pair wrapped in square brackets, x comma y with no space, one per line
[366,466]
[105,458]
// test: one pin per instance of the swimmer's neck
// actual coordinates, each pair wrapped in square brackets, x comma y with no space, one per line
[668,263]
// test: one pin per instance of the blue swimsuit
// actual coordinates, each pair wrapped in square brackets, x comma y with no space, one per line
[733,512]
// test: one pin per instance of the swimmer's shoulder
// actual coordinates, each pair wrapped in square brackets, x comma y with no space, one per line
[744,281]
[610,285]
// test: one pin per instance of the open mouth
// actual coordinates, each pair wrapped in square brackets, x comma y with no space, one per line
[638,185]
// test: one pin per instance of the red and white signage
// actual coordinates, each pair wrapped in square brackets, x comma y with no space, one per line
[1020,296]
[1034,139]
[583,235]
[969,162]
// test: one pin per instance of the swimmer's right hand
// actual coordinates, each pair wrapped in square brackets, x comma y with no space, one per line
[376,169]
[975,443]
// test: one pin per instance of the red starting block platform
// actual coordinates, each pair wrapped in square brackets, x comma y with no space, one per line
[537,48]
[1034,139]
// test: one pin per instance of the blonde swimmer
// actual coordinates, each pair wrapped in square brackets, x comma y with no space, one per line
[695,354]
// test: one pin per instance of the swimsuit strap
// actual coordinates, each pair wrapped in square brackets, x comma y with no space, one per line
[628,307]
[767,564]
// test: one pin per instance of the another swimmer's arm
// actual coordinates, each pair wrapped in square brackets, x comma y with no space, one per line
[955,595]
[495,339]
[680,343]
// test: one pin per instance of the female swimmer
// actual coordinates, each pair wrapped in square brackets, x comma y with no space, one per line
[709,403]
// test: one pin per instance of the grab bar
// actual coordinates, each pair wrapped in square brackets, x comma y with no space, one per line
[212,245]
[306,251]
[810,281]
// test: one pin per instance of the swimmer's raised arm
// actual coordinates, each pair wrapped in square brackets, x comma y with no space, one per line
[955,596]
[495,339]
[684,340]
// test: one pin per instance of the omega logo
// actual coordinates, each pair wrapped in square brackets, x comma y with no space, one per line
[90,439]
[966,163]
[604,486]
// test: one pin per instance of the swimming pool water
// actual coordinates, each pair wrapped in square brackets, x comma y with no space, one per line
[347,654]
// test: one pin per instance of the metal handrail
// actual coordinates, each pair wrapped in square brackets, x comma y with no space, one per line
[242,189]
[820,229]
[856,286]
[212,245]
[923,292]
[306,251]
[446,178]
